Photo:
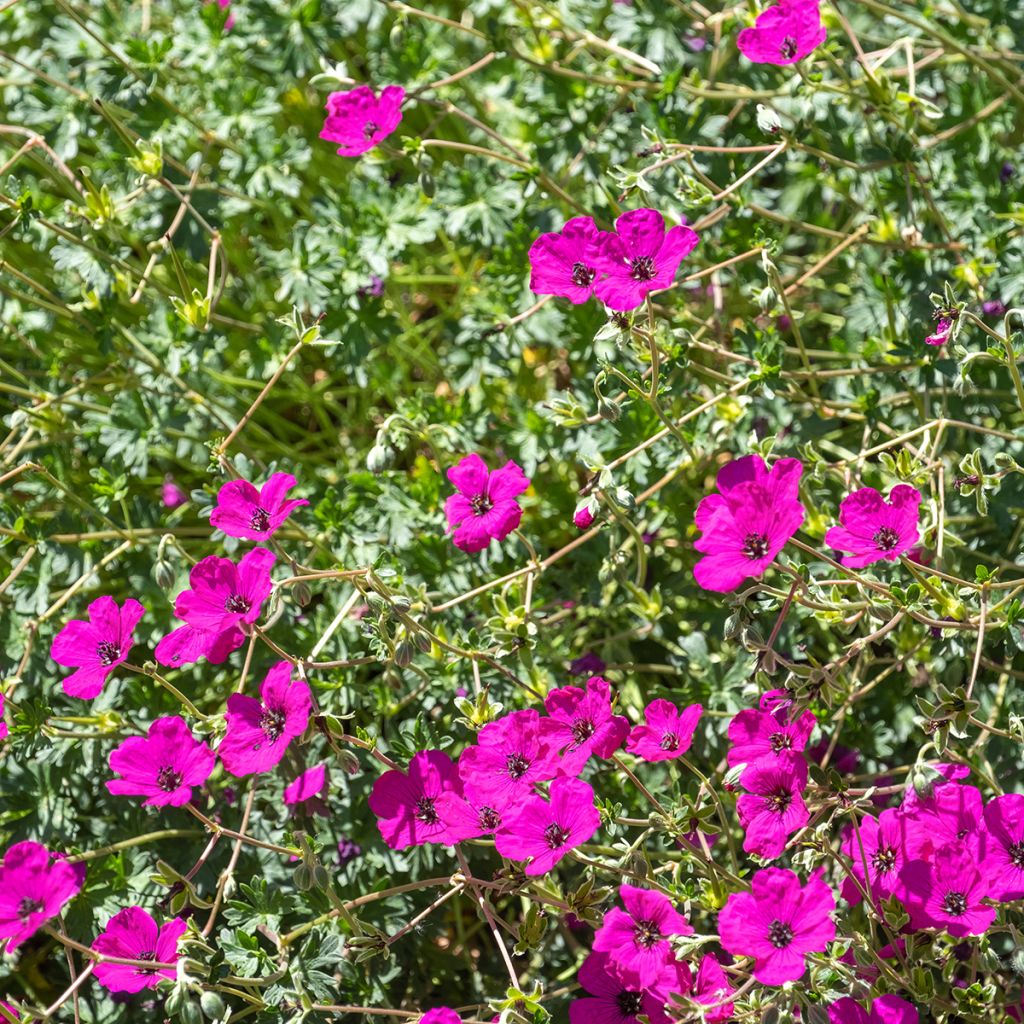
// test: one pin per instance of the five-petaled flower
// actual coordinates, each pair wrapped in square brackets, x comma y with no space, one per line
[668,732]
[773,808]
[946,890]
[783,34]
[610,999]
[876,850]
[581,723]
[34,886]
[163,766]
[1004,847]
[756,735]
[131,934]
[484,507]
[358,120]
[564,263]
[243,511]
[96,647]
[887,1009]
[872,529]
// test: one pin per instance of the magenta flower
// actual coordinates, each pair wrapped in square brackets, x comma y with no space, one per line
[440,1015]
[712,989]
[309,784]
[464,819]
[96,647]
[565,262]
[748,523]
[259,731]
[777,923]
[877,856]
[11,1011]
[34,886]
[872,528]
[4,731]
[1004,847]
[952,816]
[774,807]
[358,120]
[668,732]
[642,257]
[610,1000]
[222,597]
[543,833]
[132,934]
[886,1009]
[943,329]
[484,507]
[243,511]
[583,519]
[761,735]
[509,756]
[163,766]
[636,939]
[783,34]
[405,803]
[582,723]
[171,494]
[946,891]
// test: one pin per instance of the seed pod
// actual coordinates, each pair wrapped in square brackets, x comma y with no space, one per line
[427,184]
[212,1005]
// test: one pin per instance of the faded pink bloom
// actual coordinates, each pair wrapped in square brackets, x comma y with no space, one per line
[171,494]
[34,886]
[943,329]
[96,647]
[440,1015]
[581,723]
[309,784]
[712,987]
[783,34]
[610,1000]
[887,1009]
[748,522]
[542,833]
[132,934]
[243,511]
[358,120]
[484,507]
[636,939]
[777,923]
[877,856]
[222,597]
[1004,847]
[668,732]
[873,529]
[946,891]
[565,262]
[642,257]
[757,735]
[774,807]
[163,766]
[259,731]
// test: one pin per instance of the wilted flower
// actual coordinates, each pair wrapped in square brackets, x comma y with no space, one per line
[358,120]
[132,934]
[34,886]
[484,507]
[873,529]
[243,511]
[943,329]
[668,732]
[783,34]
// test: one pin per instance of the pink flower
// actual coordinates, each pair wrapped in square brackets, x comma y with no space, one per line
[358,120]
[309,784]
[873,529]
[777,923]
[96,647]
[484,507]
[748,523]
[583,519]
[774,808]
[582,723]
[4,731]
[642,257]
[943,329]
[543,833]
[1004,847]
[222,597]
[636,939]
[757,735]
[509,756]
[951,816]
[12,1012]
[946,891]
[163,766]
[405,803]
[668,732]
[132,934]
[886,1009]
[259,731]
[877,856]
[783,34]
[171,494]
[712,989]
[244,511]
[565,263]
[610,1000]
[34,886]
[464,819]
[440,1015]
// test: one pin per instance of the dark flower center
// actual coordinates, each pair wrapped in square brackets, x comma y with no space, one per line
[370,129]
[237,604]
[168,779]
[27,907]
[582,730]
[780,935]
[260,520]
[955,904]
[646,934]
[272,723]
[425,811]
[670,741]
[629,1003]
[788,48]
[778,802]
[481,505]
[755,545]
[642,268]
[489,818]
[146,954]
[1016,852]
[108,652]
[781,741]
[884,859]
[582,275]
[517,766]
[556,836]
[886,539]
[620,320]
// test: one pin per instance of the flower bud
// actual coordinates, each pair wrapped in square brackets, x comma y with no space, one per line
[608,410]
[212,1005]
[303,595]
[379,459]
[767,299]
